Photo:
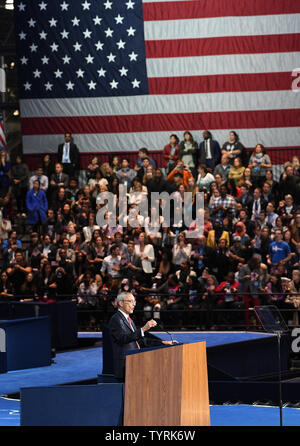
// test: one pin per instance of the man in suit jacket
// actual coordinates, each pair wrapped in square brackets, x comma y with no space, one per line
[256,205]
[57,180]
[209,151]
[68,155]
[126,336]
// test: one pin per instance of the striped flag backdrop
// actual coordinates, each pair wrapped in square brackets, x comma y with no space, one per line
[121,75]
[3,145]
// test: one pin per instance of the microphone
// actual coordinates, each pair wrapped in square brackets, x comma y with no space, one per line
[160,327]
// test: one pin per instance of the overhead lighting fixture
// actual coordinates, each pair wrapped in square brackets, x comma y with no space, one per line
[9,4]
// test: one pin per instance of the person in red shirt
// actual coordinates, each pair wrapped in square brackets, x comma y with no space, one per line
[227,299]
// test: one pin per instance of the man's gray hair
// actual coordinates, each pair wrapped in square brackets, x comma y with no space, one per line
[124,295]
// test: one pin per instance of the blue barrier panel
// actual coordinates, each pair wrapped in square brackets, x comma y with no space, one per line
[63,317]
[79,405]
[25,344]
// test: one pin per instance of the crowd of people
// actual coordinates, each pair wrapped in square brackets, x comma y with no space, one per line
[247,253]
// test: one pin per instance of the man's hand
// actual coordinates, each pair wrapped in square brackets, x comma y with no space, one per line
[150,324]
[170,342]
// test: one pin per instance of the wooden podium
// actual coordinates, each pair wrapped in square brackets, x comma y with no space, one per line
[167,386]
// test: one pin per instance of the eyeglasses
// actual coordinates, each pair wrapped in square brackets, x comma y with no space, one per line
[130,302]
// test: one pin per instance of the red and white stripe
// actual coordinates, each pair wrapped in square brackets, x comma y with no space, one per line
[221,65]
[2,135]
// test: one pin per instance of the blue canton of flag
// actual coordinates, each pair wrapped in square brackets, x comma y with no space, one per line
[70,49]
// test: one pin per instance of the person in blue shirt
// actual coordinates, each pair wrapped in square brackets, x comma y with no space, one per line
[12,236]
[37,206]
[142,154]
[279,251]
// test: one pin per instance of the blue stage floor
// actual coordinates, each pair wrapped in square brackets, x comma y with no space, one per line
[85,364]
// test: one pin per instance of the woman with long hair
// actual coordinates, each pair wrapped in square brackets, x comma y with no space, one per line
[236,171]
[28,289]
[6,287]
[115,163]
[247,180]
[92,168]
[259,162]
[204,179]
[181,250]
[188,150]
[275,191]
[145,251]
[232,188]
[46,283]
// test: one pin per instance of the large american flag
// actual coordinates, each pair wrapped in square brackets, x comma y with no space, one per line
[125,74]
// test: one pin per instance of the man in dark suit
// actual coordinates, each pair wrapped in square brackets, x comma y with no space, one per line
[126,336]
[245,199]
[256,205]
[57,180]
[68,155]
[209,151]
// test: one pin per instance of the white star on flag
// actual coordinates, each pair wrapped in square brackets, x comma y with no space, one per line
[113,84]
[70,85]
[92,85]
[37,73]
[64,6]
[48,86]
[24,60]
[99,45]
[43,35]
[31,23]
[89,59]
[75,21]
[129,4]
[121,44]
[21,7]
[80,72]
[109,32]
[43,6]
[107,4]
[52,22]
[27,86]
[136,83]
[101,72]
[54,47]
[111,57]
[64,34]
[86,5]
[123,71]
[87,34]
[97,20]
[77,46]
[66,59]
[130,31]
[132,56]
[58,73]
[22,35]
[119,19]
[33,48]
[45,60]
